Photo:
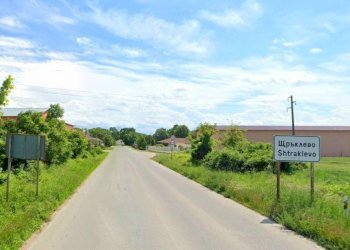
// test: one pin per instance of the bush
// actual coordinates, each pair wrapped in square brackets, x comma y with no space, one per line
[228,159]
[233,160]
[202,144]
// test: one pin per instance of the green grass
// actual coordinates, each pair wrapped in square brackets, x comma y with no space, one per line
[24,213]
[323,221]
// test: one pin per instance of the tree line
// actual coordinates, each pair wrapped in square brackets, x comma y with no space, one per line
[130,137]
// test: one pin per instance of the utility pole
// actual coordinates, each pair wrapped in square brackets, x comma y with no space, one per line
[292,108]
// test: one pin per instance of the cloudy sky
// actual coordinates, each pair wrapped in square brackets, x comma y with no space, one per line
[155,63]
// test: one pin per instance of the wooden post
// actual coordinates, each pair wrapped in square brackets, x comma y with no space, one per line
[278,172]
[8,169]
[312,181]
[37,167]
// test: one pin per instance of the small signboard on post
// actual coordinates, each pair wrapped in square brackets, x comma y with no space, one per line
[296,148]
[291,148]
[25,147]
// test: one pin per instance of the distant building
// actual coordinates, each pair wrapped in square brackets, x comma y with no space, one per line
[12,113]
[179,142]
[335,140]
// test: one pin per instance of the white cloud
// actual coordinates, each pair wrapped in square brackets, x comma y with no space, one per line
[60,19]
[148,95]
[10,22]
[235,18]
[92,47]
[316,51]
[186,38]
[13,42]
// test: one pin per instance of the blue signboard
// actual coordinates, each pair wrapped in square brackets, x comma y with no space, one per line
[25,147]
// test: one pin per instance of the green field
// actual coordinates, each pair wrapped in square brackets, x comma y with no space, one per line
[24,213]
[323,221]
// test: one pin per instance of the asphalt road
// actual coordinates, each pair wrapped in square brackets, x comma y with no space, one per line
[131,202]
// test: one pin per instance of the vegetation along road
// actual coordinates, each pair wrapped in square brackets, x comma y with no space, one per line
[131,202]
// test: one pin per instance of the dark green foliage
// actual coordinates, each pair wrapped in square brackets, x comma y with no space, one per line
[128,136]
[160,134]
[227,159]
[115,133]
[141,142]
[202,144]
[55,112]
[104,134]
[30,122]
[235,153]
[59,149]
[150,140]
[79,143]
[180,131]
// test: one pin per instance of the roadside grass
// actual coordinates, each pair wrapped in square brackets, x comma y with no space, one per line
[24,213]
[323,220]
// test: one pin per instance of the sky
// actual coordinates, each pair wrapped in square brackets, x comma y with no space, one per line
[153,63]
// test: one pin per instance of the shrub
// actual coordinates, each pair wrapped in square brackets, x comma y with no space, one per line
[201,145]
[227,159]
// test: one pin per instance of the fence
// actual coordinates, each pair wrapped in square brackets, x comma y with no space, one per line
[163,149]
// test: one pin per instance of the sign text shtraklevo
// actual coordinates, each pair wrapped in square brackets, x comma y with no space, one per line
[296,148]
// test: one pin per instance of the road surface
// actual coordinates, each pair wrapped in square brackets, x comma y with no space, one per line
[131,202]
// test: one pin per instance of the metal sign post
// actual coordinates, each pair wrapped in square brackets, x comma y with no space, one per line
[278,183]
[287,148]
[8,172]
[312,181]
[25,147]
[37,167]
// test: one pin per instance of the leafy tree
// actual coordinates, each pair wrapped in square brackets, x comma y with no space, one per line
[115,133]
[5,90]
[104,134]
[79,143]
[141,142]
[59,149]
[150,140]
[30,122]
[128,136]
[160,134]
[202,144]
[181,131]
[55,112]
[234,137]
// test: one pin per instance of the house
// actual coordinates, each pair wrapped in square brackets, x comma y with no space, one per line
[335,140]
[12,113]
[179,142]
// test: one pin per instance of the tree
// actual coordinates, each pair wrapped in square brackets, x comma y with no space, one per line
[160,134]
[128,136]
[59,148]
[78,141]
[234,137]
[141,142]
[181,131]
[115,133]
[55,112]
[104,134]
[30,122]
[5,90]
[202,144]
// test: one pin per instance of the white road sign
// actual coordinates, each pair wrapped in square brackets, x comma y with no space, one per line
[296,148]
